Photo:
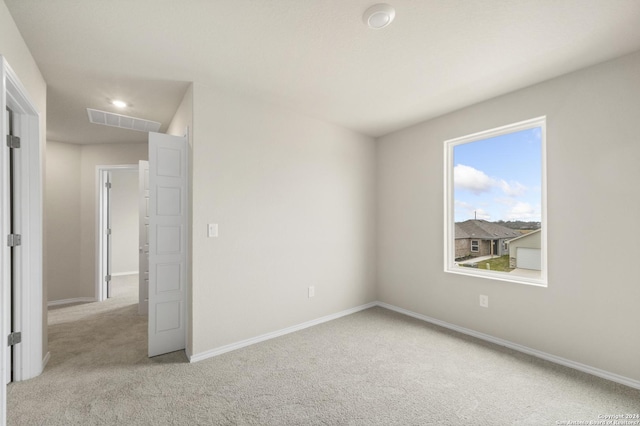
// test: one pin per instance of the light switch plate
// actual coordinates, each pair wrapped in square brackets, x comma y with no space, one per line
[212,230]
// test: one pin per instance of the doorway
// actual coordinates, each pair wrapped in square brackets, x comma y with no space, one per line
[117,225]
[164,193]
[21,290]
[14,240]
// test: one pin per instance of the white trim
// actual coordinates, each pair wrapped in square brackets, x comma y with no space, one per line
[520,348]
[28,312]
[46,359]
[102,172]
[482,336]
[122,274]
[248,342]
[522,236]
[450,265]
[69,301]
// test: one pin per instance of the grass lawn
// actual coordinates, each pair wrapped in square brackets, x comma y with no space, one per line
[497,264]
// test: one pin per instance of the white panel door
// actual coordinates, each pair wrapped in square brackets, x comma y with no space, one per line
[529,258]
[143,238]
[167,243]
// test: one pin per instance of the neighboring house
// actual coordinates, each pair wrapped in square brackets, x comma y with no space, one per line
[524,251]
[481,238]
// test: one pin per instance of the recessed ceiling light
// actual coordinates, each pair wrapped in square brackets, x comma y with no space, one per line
[119,104]
[379,16]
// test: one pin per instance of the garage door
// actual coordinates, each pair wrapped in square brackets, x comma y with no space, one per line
[528,258]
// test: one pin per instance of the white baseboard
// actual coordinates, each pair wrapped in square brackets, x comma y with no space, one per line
[244,343]
[121,274]
[45,360]
[68,301]
[501,342]
[520,348]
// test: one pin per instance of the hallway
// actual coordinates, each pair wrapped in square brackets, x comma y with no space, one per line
[89,343]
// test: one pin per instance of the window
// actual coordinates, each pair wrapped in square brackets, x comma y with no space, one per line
[495,197]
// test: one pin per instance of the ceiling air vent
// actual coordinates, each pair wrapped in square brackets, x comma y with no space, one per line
[122,121]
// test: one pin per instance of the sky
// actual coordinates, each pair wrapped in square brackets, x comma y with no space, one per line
[499,178]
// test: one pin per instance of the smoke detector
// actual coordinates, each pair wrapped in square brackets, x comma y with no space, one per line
[122,121]
[379,16]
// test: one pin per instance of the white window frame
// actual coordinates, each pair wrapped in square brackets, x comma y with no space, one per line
[477,244]
[450,266]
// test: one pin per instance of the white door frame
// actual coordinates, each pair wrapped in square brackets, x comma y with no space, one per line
[101,261]
[29,359]
[143,237]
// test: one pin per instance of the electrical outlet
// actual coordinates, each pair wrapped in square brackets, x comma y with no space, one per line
[484,301]
[312,291]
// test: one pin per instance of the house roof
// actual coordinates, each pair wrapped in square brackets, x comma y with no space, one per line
[483,230]
[528,234]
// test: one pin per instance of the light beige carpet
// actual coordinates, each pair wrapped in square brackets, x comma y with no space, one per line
[375,367]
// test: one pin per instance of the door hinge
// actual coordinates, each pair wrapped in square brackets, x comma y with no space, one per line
[108,231]
[107,185]
[107,278]
[13,141]
[14,338]
[14,240]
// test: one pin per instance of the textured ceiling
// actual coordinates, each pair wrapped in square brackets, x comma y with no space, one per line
[316,57]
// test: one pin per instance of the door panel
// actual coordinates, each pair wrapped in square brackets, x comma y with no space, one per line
[167,243]
[143,238]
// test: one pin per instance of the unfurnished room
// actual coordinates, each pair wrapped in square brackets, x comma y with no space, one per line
[243,212]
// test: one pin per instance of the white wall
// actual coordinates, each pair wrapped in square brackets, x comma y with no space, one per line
[589,312]
[62,221]
[294,200]
[124,221]
[183,118]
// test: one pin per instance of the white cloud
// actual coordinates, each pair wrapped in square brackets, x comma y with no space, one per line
[474,180]
[505,201]
[477,181]
[513,189]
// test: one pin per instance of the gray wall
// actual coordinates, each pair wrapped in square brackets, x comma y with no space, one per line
[15,51]
[182,120]
[62,230]
[294,199]
[124,221]
[71,213]
[589,311]
[92,156]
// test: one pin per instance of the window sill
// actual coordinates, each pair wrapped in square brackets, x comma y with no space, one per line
[526,277]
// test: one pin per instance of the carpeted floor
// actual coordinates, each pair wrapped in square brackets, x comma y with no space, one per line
[375,367]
